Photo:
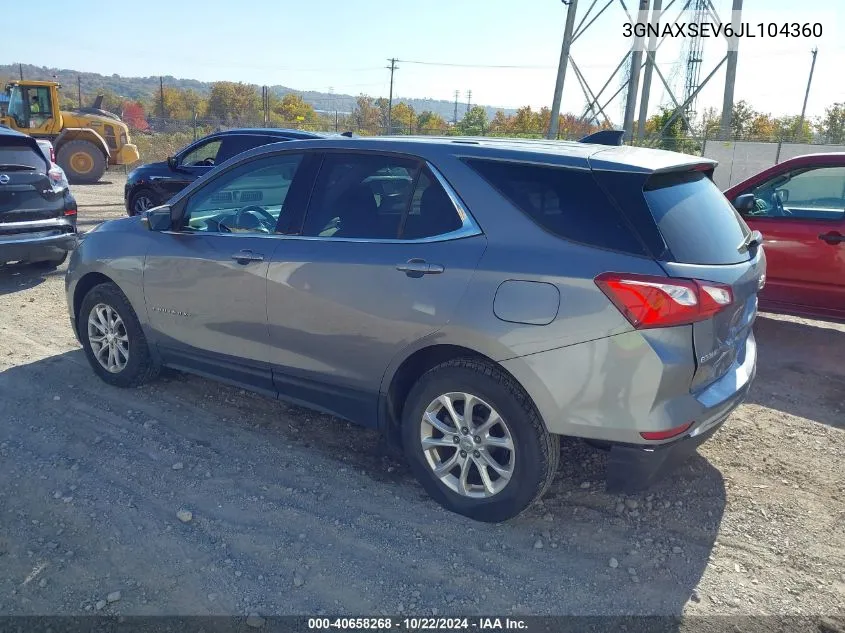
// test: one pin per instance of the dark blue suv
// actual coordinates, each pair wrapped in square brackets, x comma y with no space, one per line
[150,185]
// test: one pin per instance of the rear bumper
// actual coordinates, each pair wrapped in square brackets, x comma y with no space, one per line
[36,246]
[631,468]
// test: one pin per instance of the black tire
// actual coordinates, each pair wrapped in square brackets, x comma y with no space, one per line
[95,159]
[536,451]
[140,366]
[136,198]
[49,264]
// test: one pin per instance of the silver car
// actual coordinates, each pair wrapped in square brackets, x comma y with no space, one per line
[474,299]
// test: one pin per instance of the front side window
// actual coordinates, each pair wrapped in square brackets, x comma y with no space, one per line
[812,193]
[369,196]
[204,155]
[247,199]
[17,110]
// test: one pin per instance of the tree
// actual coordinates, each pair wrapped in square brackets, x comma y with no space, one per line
[762,127]
[500,123]
[231,101]
[790,130]
[134,116]
[474,122]
[383,106]
[403,118]
[294,108]
[429,122]
[526,121]
[366,115]
[742,116]
[832,125]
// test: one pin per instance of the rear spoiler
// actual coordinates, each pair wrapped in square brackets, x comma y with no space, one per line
[604,137]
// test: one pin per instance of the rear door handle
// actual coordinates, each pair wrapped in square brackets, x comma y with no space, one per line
[832,238]
[247,256]
[419,267]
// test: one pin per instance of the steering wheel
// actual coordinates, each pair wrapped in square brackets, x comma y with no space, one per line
[269,222]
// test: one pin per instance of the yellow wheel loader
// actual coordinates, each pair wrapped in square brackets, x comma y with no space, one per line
[86,140]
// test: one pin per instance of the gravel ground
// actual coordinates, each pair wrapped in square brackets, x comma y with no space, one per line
[188,497]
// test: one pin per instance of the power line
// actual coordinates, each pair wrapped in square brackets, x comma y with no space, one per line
[408,61]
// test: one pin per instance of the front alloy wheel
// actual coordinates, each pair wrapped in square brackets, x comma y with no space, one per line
[108,337]
[467,445]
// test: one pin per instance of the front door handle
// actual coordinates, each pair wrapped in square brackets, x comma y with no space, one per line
[419,267]
[246,256]
[832,238]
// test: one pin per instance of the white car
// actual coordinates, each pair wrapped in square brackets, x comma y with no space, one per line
[46,148]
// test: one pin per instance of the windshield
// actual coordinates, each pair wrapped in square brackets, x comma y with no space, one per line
[16,109]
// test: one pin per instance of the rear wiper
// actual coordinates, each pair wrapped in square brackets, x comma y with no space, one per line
[16,167]
[752,240]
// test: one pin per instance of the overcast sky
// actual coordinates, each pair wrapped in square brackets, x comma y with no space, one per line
[344,46]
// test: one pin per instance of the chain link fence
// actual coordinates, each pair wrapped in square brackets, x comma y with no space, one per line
[738,158]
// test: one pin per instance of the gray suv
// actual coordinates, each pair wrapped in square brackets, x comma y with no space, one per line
[474,299]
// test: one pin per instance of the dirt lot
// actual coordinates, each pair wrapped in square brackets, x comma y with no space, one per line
[298,513]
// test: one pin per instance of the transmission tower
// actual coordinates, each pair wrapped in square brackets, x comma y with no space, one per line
[693,54]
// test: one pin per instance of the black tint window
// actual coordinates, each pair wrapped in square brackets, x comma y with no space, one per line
[432,211]
[360,195]
[21,156]
[234,145]
[697,222]
[566,202]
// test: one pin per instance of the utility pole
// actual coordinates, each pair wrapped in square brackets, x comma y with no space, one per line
[730,73]
[20,69]
[649,69]
[455,118]
[161,95]
[79,89]
[469,100]
[815,52]
[391,68]
[634,79]
[561,68]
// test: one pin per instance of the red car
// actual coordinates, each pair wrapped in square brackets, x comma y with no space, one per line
[799,207]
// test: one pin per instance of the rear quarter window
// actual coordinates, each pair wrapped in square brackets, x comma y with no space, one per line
[566,202]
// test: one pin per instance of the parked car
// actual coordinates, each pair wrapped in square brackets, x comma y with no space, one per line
[473,299]
[799,207]
[49,152]
[153,184]
[37,210]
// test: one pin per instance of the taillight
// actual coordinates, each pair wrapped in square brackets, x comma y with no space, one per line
[70,208]
[52,155]
[650,302]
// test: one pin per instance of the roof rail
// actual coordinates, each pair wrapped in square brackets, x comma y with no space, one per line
[604,137]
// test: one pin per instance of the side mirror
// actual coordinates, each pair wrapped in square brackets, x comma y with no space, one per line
[745,203]
[158,219]
[171,162]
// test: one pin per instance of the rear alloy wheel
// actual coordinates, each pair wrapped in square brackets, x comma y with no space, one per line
[471,453]
[112,338]
[140,201]
[475,441]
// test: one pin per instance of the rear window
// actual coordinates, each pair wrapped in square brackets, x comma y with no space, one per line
[21,155]
[696,221]
[566,202]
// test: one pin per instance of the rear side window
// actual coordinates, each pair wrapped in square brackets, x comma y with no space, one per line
[238,143]
[696,221]
[21,157]
[566,202]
